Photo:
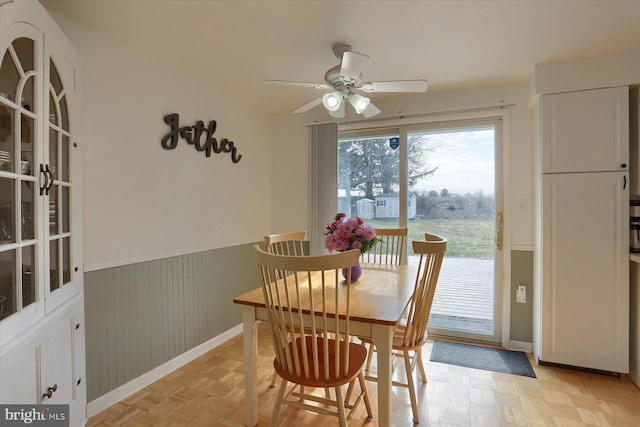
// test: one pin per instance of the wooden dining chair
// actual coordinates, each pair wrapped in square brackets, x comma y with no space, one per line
[388,252]
[288,243]
[293,287]
[411,334]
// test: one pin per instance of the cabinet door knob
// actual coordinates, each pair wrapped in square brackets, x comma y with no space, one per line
[50,391]
[624,165]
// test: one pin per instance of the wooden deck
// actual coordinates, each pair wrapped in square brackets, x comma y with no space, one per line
[464,296]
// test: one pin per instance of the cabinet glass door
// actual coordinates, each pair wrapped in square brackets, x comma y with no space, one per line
[20,238]
[58,169]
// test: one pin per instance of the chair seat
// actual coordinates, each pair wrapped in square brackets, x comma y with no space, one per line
[398,338]
[357,357]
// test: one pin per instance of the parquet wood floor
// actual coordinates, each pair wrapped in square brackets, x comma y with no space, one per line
[209,391]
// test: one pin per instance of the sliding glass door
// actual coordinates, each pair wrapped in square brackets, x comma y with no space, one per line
[441,179]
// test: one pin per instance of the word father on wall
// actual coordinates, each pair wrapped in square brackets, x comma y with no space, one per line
[193,135]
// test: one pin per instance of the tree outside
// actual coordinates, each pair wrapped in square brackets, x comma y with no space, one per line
[369,167]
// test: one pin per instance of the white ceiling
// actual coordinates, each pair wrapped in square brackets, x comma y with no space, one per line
[235,45]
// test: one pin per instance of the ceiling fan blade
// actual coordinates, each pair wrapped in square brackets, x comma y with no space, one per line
[352,64]
[396,86]
[298,84]
[371,111]
[308,106]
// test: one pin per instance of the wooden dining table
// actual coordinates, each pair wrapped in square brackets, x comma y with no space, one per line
[378,301]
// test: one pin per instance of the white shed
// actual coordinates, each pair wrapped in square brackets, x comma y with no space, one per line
[388,205]
[366,208]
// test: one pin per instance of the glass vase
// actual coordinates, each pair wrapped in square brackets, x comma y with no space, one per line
[356,272]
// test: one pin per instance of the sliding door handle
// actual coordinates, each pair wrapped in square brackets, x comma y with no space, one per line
[498,236]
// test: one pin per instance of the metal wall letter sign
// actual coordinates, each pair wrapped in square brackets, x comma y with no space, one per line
[193,135]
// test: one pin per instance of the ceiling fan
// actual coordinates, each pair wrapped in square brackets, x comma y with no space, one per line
[345,80]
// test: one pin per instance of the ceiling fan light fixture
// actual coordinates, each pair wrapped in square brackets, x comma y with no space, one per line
[339,113]
[332,101]
[359,102]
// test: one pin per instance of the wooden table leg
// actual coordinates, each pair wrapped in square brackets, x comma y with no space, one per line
[250,344]
[382,336]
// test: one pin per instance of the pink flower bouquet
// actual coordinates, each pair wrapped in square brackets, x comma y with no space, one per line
[343,235]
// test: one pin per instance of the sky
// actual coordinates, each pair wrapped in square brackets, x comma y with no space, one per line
[465,162]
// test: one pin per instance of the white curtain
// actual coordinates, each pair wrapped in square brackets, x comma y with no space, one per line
[324,183]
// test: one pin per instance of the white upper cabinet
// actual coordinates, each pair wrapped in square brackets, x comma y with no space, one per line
[585,131]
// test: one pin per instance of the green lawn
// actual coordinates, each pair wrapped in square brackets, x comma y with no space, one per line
[465,238]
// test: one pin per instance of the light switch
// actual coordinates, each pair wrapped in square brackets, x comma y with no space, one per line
[521,294]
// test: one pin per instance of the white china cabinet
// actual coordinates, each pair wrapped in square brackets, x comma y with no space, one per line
[41,285]
[581,304]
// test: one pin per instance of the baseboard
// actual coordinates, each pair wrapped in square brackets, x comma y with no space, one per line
[527,347]
[580,368]
[114,396]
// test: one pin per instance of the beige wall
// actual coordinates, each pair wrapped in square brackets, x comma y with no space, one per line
[290,180]
[616,69]
[142,202]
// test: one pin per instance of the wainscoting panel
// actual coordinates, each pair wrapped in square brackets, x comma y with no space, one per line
[142,315]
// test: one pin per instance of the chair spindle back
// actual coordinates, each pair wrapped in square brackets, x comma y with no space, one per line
[431,254]
[294,287]
[390,250]
[289,243]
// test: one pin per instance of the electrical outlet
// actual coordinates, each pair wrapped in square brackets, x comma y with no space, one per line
[521,294]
